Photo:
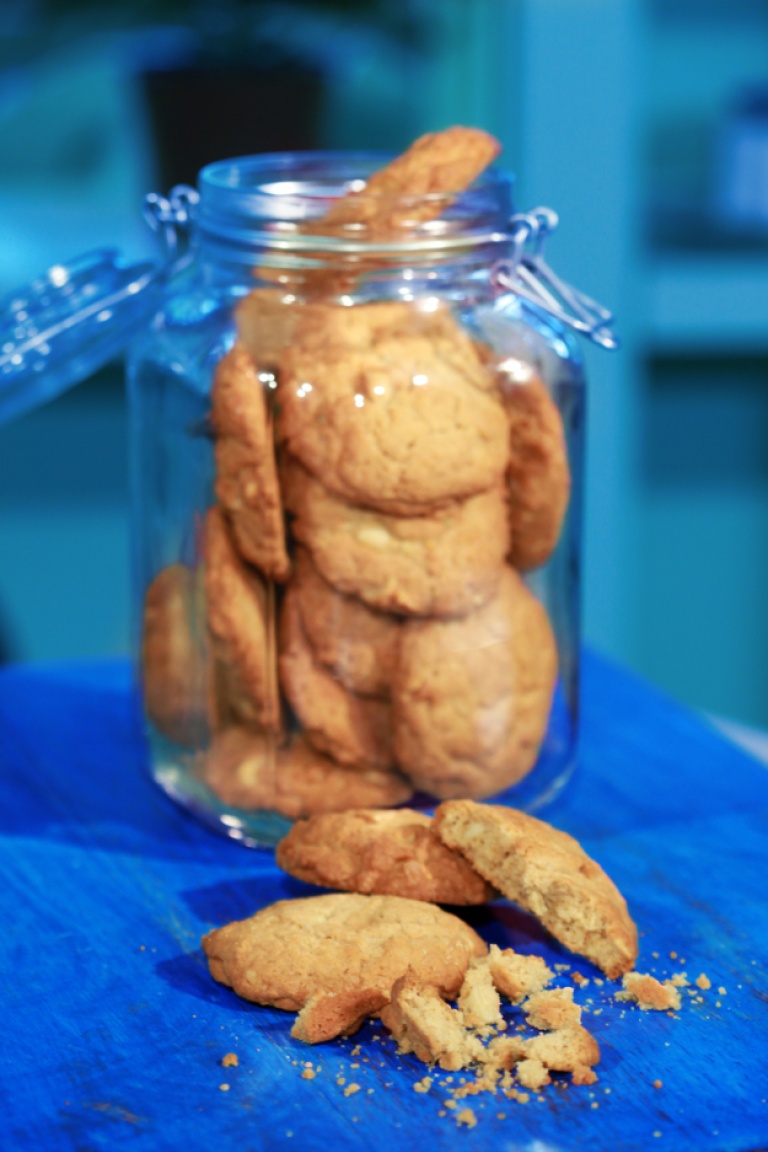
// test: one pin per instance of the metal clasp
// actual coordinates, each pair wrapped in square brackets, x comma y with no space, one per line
[527,274]
[172,217]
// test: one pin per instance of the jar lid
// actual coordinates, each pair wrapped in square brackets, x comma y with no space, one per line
[67,323]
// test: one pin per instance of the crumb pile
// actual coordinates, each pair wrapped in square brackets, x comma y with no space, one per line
[506,1019]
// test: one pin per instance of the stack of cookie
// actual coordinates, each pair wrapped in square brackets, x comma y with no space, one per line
[382,948]
[382,485]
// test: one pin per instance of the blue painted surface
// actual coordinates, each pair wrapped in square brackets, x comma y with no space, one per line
[114,1031]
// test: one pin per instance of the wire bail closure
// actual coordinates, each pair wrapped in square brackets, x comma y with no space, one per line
[527,274]
[171,217]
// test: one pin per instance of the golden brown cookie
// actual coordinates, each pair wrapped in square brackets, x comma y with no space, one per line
[241,628]
[265,320]
[354,730]
[549,874]
[342,942]
[421,1022]
[551,1010]
[175,678]
[395,202]
[538,474]
[649,993]
[471,697]
[330,1014]
[517,976]
[389,853]
[446,563]
[417,185]
[249,770]
[356,643]
[391,406]
[246,474]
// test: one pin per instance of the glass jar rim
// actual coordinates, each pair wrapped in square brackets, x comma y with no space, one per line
[267,200]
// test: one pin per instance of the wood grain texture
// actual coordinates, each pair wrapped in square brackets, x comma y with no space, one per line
[114,1031]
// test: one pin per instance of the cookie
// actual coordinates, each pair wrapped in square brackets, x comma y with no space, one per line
[471,698]
[416,186]
[356,643]
[249,770]
[265,320]
[354,730]
[389,853]
[341,942]
[174,677]
[446,563]
[548,874]
[649,993]
[479,999]
[538,473]
[551,1010]
[241,628]
[421,1022]
[395,202]
[391,406]
[568,1049]
[517,976]
[247,484]
[330,1014]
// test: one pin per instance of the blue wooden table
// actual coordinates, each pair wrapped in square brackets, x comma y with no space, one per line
[114,1033]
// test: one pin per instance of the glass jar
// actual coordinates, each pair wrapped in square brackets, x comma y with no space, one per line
[357,471]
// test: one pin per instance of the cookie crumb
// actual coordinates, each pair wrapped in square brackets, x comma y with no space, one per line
[467,1117]
[351,1089]
[308,1074]
[223,1087]
[721,991]
[658,1084]
[703,982]
[595,1104]
[230,1060]
[673,955]
[423,1085]
[649,993]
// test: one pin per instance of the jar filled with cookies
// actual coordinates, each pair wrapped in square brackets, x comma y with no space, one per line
[357,424]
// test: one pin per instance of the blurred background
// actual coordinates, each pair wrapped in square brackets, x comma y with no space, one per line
[644,123]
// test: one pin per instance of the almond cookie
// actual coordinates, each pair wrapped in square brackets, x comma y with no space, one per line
[538,474]
[472,696]
[175,680]
[389,853]
[391,406]
[341,942]
[241,628]
[446,563]
[549,874]
[246,474]
[248,770]
[355,730]
[356,643]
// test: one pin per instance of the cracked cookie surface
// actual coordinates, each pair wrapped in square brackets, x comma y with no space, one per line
[471,697]
[391,406]
[445,563]
[389,853]
[292,950]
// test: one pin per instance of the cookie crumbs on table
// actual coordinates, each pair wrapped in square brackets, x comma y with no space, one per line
[649,993]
